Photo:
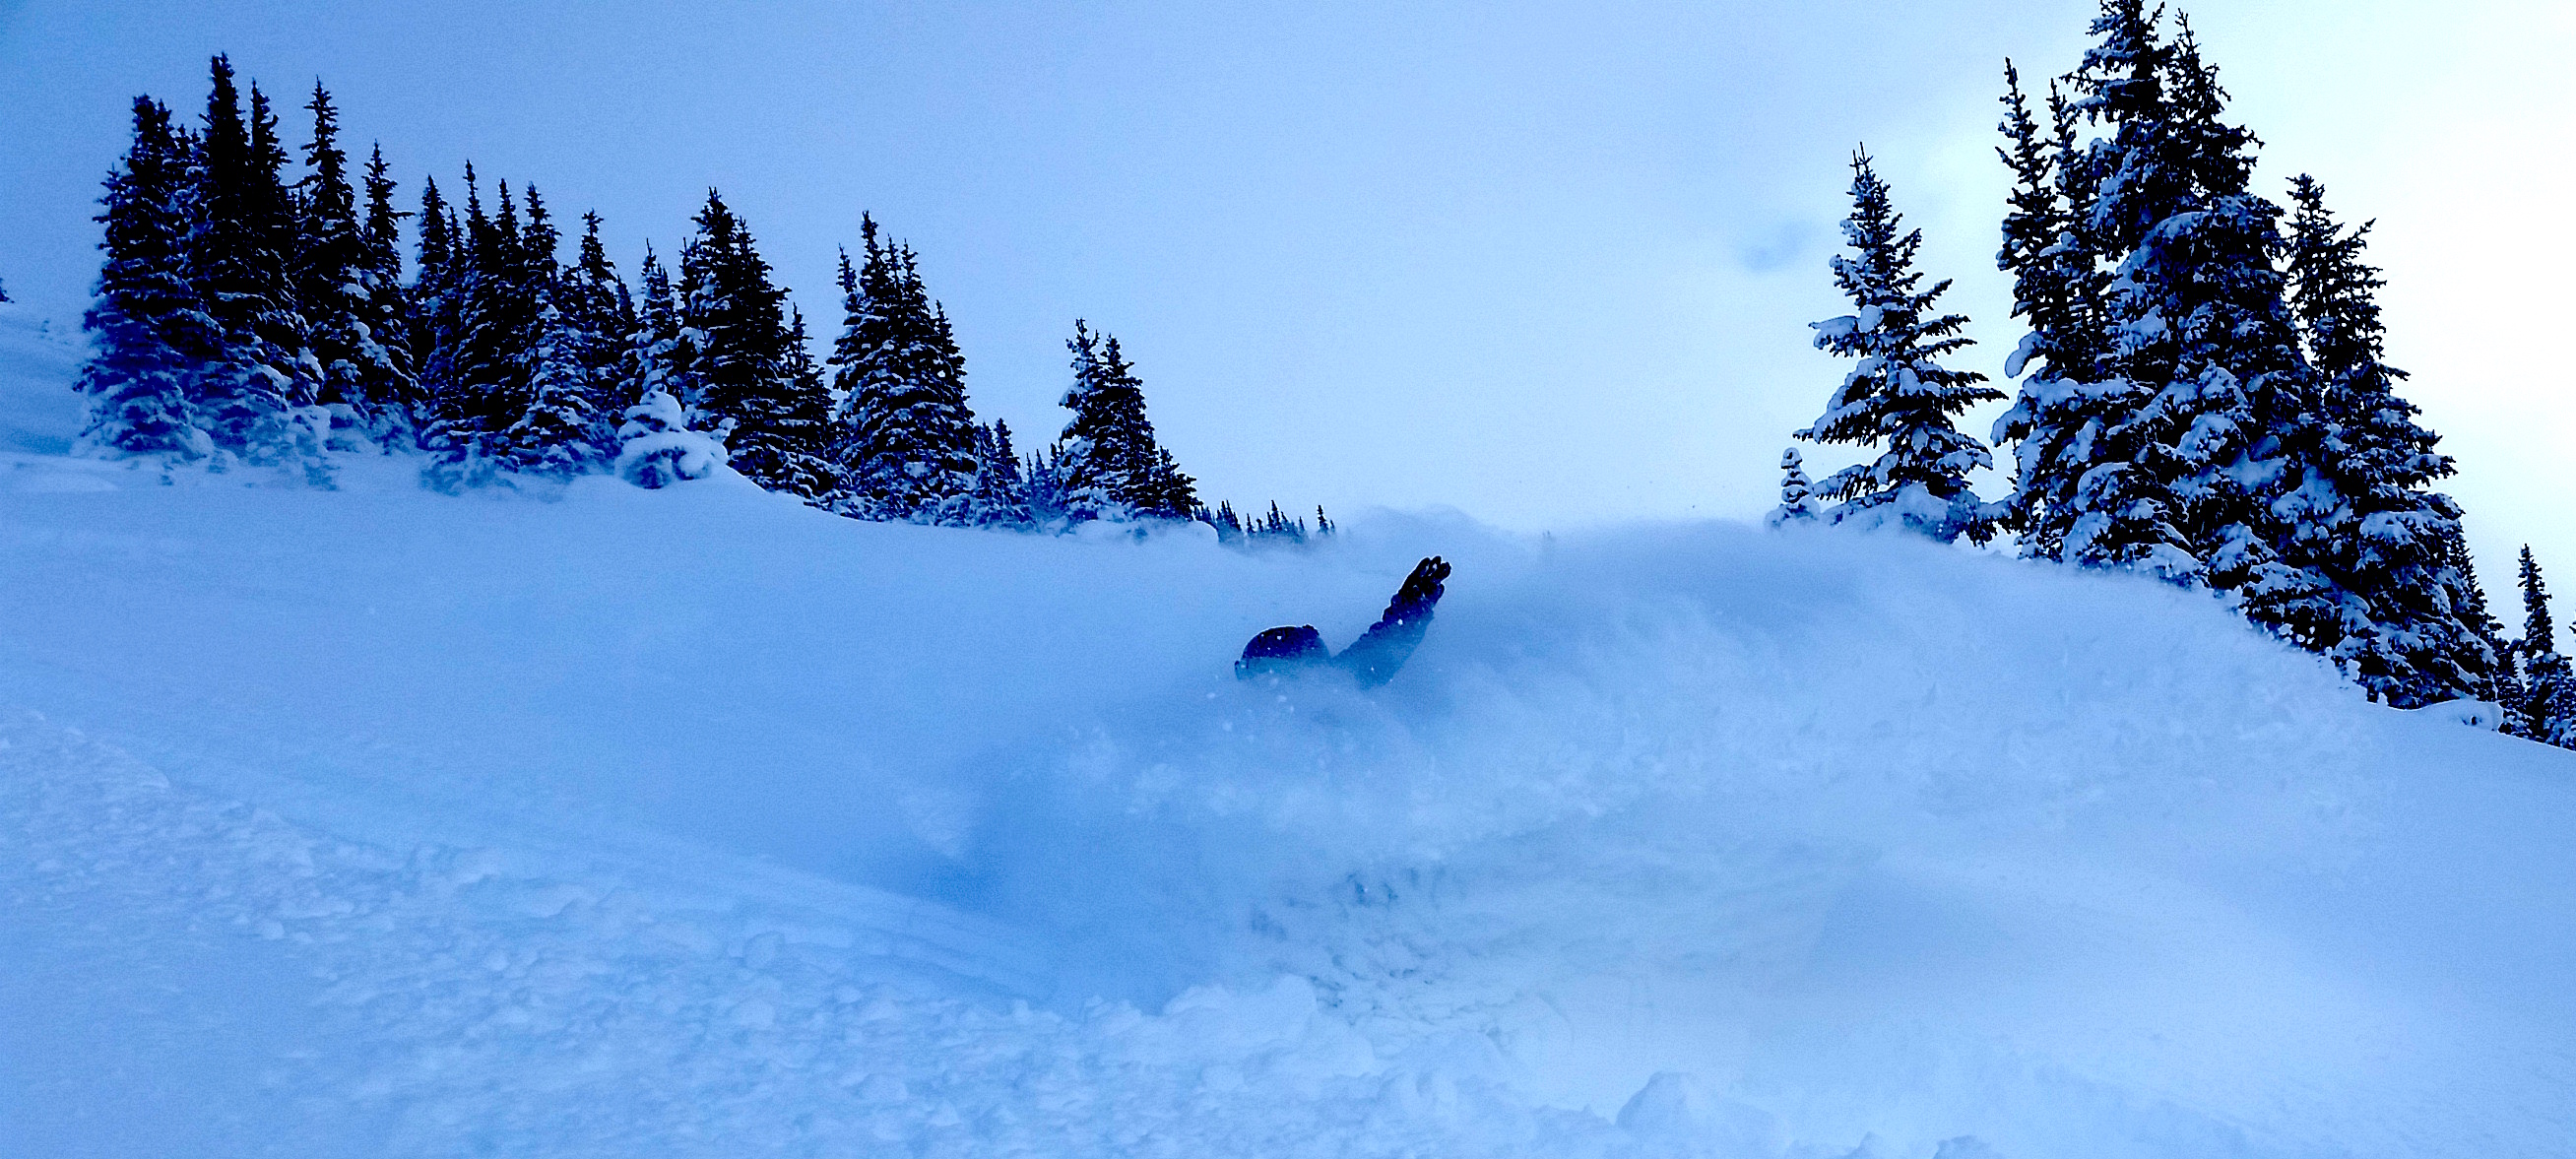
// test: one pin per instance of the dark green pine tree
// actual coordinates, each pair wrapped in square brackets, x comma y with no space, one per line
[2549,693]
[336,281]
[1001,497]
[252,403]
[734,330]
[386,369]
[905,440]
[598,305]
[656,351]
[2358,504]
[2497,680]
[1107,464]
[1899,394]
[2203,359]
[557,433]
[488,347]
[436,307]
[148,329]
[2057,294]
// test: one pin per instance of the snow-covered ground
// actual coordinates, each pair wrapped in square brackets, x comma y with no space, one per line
[695,822]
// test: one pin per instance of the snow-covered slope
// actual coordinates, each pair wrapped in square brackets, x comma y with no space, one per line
[699,823]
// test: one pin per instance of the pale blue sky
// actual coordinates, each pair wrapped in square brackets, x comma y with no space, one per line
[1550,264]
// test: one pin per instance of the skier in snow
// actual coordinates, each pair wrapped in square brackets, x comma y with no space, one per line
[1374,657]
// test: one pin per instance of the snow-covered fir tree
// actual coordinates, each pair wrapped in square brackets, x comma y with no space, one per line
[492,280]
[905,441]
[599,307]
[1797,496]
[2170,362]
[150,332]
[657,447]
[256,400]
[1107,465]
[386,371]
[1001,495]
[1898,394]
[733,322]
[2198,329]
[2499,682]
[2056,292]
[652,361]
[334,281]
[2358,507]
[2548,686]
[555,434]
[436,299]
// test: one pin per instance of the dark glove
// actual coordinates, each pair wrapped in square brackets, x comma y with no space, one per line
[1421,590]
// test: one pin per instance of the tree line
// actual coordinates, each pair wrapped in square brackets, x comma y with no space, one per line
[2201,389]
[246,320]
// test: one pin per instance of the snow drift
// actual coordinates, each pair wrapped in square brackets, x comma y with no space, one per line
[698,822]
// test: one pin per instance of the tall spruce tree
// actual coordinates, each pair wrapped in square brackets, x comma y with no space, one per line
[2159,452]
[735,328]
[598,305]
[150,332]
[485,350]
[2057,293]
[253,401]
[387,372]
[338,282]
[2549,688]
[437,303]
[2497,679]
[1899,394]
[657,351]
[1107,464]
[557,433]
[2358,506]
[906,439]
[1000,498]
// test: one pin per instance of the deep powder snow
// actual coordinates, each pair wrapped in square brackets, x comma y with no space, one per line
[696,822]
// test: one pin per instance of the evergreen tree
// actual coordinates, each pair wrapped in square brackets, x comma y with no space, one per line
[657,446]
[252,401]
[2357,502]
[2490,659]
[149,330]
[734,326]
[339,282]
[597,304]
[906,444]
[436,307]
[2056,291]
[1001,494]
[554,435]
[1107,465]
[387,373]
[657,351]
[1045,490]
[2549,700]
[1797,499]
[485,353]
[1229,526]
[2159,453]
[1899,393]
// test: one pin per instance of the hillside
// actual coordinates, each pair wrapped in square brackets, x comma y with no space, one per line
[699,822]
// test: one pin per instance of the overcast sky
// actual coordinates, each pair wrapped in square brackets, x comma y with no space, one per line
[1549,264]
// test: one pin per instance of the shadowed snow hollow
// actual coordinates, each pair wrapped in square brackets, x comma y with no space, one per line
[695,822]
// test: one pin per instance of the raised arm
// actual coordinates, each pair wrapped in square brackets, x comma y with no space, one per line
[1379,652]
